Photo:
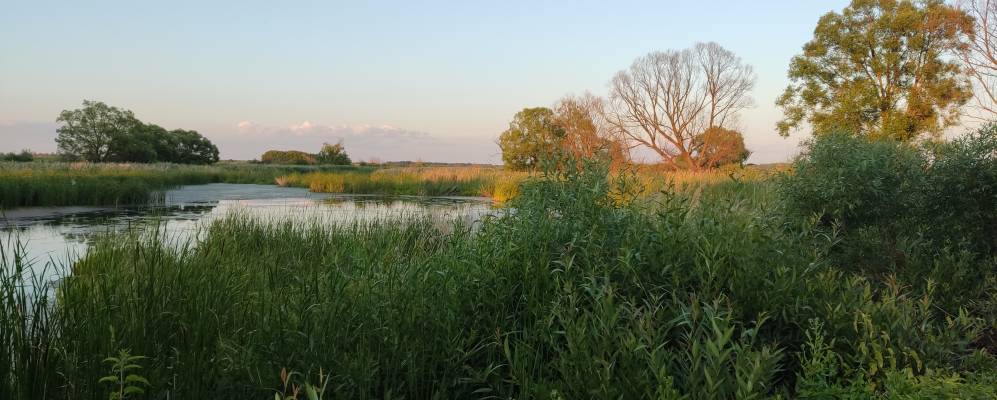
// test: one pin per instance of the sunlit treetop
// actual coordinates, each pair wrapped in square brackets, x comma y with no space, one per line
[880,68]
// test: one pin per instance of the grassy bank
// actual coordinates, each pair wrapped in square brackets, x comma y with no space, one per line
[585,291]
[71,184]
[416,181]
[496,183]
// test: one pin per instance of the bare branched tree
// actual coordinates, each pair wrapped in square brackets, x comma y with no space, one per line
[667,100]
[979,56]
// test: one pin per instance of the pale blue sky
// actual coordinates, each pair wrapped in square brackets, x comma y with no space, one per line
[436,81]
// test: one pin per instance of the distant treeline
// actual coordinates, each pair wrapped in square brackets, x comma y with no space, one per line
[23,156]
[331,154]
[101,133]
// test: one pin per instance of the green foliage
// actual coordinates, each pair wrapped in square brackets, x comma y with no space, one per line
[532,136]
[879,69]
[101,133]
[720,146]
[59,184]
[886,191]
[290,157]
[23,156]
[334,154]
[925,214]
[124,379]
[582,288]
[855,182]
[960,194]
[87,133]
[192,148]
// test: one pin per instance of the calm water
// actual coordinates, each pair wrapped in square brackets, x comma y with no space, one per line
[57,235]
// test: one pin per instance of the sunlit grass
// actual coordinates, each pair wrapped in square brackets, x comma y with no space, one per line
[496,183]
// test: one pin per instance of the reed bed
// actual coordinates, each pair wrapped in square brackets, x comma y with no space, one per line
[78,184]
[706,294]
[498,184]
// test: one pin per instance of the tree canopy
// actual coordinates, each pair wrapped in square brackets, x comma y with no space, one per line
[533,135]
[666,100]
[334,154]
[88,133]
[879,69]
[720,146]
[98,132]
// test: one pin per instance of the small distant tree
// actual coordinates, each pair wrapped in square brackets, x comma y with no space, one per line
[23,156]
[87,133]
[533,134]
[720,146]
[879,69]
[333,154]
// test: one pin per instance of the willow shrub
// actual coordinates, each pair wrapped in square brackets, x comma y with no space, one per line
[926,215]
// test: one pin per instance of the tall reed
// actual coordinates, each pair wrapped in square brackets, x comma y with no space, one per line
[77,184]
[580,289]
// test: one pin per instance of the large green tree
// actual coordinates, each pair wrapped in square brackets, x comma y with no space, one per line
[879,69]
[101,133]
[533,135]
[88,133]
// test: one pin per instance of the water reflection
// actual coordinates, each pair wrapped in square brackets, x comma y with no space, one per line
[57,235]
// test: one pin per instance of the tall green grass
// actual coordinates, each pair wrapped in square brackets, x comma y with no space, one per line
[582,288]
[75,184]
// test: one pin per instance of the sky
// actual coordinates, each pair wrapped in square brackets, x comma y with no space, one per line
[395,80]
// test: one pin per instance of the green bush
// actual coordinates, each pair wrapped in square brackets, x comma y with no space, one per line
[865,189]
[23,156]
[290,157]
[925,215]
[960,195]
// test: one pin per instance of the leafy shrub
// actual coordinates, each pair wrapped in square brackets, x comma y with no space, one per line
[960,197]
[23,156]
[290,157]
[854,182]
[927,215]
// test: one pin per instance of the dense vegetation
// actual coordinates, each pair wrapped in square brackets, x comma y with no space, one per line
[23,156]
[98,132]
[800,286]
[486,181]
[332,154]
[85,184]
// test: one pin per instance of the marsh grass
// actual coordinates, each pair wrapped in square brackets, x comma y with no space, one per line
[583,289]
[498,184]
[86,184]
